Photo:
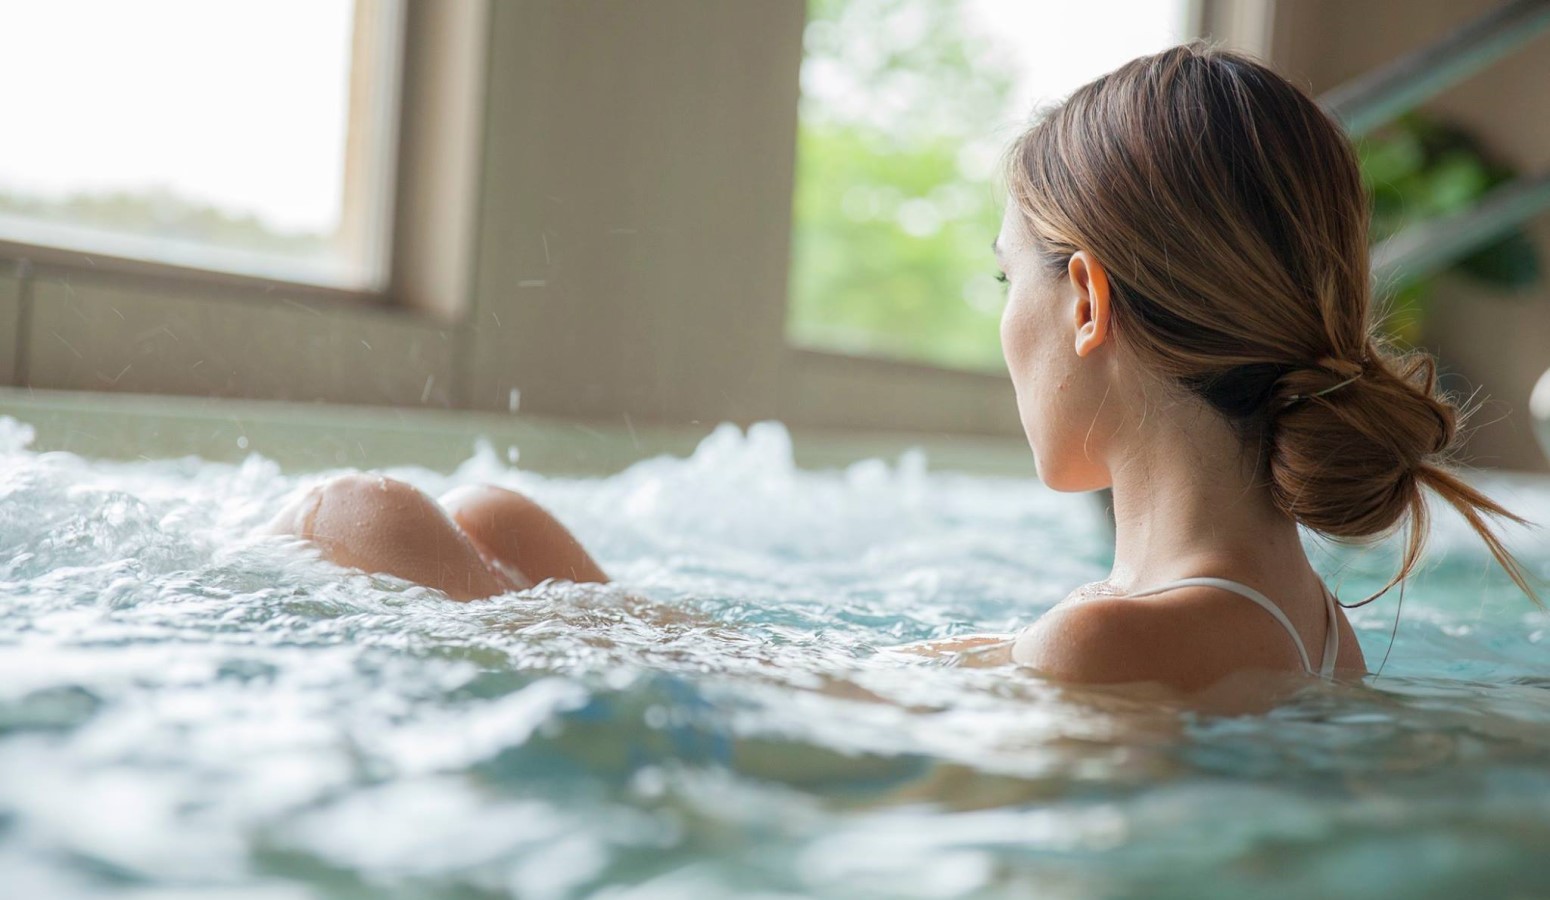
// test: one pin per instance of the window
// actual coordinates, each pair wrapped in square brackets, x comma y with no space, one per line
[907,106]
[245,136]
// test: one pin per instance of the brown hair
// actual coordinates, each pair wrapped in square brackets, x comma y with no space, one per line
[1230,214]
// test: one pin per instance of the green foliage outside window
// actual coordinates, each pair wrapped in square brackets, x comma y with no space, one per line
[894,208]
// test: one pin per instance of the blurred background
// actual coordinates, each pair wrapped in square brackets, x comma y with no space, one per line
[630,218]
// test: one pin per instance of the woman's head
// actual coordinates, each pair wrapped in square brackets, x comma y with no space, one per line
[1193,225]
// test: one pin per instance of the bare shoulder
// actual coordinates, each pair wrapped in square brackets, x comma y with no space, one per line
[1100,640]
[1186,638]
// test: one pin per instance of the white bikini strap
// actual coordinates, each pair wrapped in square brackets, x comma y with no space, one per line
[1331,637]
[1246,591]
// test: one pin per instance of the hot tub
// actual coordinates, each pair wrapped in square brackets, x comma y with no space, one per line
[187,711]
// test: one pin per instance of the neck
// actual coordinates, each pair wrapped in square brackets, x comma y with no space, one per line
[1186,503]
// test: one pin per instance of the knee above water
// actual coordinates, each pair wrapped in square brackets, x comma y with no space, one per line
[358,499]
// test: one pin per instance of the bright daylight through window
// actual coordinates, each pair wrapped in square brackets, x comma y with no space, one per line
[246,136]
[907,106]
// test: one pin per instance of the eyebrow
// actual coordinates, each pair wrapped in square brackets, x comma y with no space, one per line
[995,247]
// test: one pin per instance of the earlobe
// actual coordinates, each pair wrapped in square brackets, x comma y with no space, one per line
[1091,283]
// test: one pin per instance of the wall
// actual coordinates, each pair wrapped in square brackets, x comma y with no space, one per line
[627,251]
[10,319]
[1498,345]
[627,242]
[628,248]
[640,159]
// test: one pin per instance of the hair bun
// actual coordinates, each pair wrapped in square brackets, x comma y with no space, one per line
[1354,465]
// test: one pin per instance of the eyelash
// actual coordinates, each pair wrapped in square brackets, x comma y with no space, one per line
[1001,277]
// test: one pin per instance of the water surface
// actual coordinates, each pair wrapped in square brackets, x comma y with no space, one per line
[185,711]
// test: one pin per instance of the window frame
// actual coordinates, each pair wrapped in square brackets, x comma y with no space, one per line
[422,57]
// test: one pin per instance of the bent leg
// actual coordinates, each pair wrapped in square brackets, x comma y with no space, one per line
[380,525]
[519,533]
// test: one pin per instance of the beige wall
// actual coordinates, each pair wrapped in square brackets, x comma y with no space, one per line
[10,314]
[628,247]
[97,334]
[643,154]
[627,256]
[627,242]
[1494,344]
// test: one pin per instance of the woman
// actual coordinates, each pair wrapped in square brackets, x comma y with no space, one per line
[1189,322]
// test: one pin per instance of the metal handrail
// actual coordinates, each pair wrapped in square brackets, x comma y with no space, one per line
[1369,100]
[1428,247]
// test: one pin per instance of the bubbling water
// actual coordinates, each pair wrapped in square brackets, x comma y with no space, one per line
[186,707]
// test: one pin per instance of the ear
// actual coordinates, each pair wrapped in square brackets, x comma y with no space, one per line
[1091,311]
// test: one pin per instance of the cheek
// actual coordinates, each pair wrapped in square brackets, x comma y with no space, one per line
[1015,334]
[1023,333]
[1028,342]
